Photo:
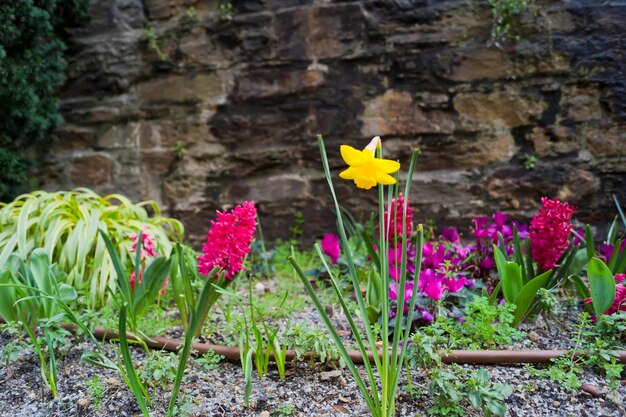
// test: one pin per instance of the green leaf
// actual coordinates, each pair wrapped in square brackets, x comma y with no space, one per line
[519,255]
[511,281]
[526,296]
[612,234]
[579,262]
[500,259]
[589,239]
[601,286]
[615,255]
[148,290]
[619,210]
[493,298]
[131,375]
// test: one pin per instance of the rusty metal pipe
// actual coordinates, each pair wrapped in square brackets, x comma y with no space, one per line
[454,356]
[492,357]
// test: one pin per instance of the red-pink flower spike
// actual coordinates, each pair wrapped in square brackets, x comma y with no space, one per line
[228,241]
[394,234]
[549,232]
[147,245]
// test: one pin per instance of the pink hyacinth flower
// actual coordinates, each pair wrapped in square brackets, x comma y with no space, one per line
[330,246]
[148,244]
[549,232]
[228,241]
[132,280]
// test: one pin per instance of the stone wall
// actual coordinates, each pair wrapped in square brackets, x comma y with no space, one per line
[228,108]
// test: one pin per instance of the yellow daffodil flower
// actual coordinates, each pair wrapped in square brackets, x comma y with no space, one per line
[365,169]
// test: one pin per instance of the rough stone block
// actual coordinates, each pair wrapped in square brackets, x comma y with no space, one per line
[581,102]
[321,32]
[501,107]
[91,170]
[556,140]
[274,82]
[395,113]
[607,140]
[206,88]
[479,64]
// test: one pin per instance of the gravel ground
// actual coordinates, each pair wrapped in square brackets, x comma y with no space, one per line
[307,391]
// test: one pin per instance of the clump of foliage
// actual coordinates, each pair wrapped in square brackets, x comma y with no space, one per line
[32,68]
[505,14]
[159,370]
[600,340]
[453,388]
[485,326]
[65,225]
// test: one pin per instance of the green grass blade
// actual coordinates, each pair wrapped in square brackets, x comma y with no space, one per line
[131,375]
[342,349]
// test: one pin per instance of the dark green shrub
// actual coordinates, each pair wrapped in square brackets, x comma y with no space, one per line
[32,67]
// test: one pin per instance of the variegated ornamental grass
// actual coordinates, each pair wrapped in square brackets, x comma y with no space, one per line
[65,224]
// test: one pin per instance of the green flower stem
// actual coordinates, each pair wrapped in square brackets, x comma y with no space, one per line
[353,326]
[208,297]
[342,350]
[397,365]
[205,306]
[348,253]
[48,377]
[383,370]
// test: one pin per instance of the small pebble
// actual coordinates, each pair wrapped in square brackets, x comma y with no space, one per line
[590,389]
[264,414]
[325,376]
[533,335]
[556,403]
[259,289]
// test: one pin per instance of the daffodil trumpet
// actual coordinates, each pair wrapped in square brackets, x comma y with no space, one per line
[367,168]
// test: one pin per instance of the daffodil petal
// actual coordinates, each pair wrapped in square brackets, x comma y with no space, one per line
[348,174]
[351,156]
[364,183]
[384,179]
[386,165]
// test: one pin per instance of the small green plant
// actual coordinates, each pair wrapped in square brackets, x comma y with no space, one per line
[505,14]
[302,339]
[96,389]
[296,228]
[264,342]
[179,149]
[452,387]
[284,410]
[485,326]
[11,352]
[159,370]
[210,361]
[529,162]
[599,341]
[191,14]
[226,10]
[153,42]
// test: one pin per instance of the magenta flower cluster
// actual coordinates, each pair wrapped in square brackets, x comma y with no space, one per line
[148,250]
[228,241]
[549,232]
[330,246]
[486,233]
